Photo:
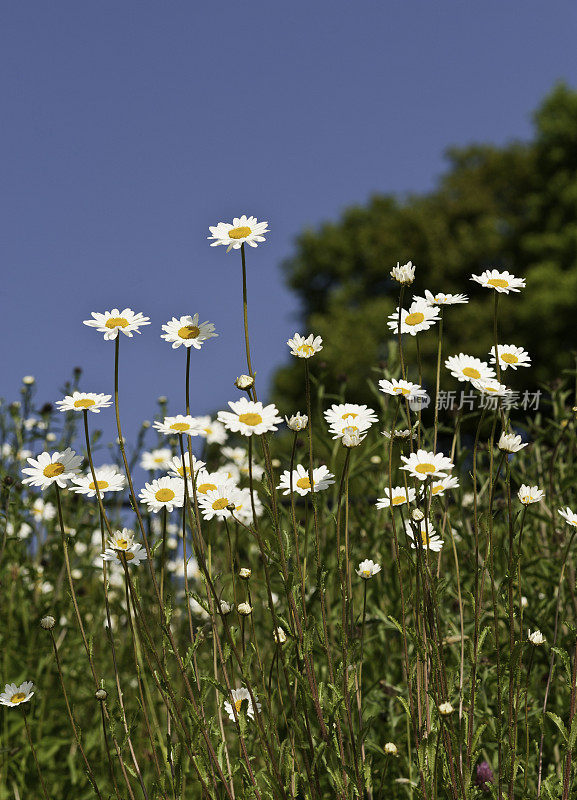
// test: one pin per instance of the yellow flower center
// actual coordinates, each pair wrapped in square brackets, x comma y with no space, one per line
[415,318]
[220,504]
[367,573]
[129,556]
[306,349]
[84,403]
[509,358]
[100,484]
[159,459]
[398,500]
[501,283]
[121,544]
[164,495]
[189,332]
[425,468]
[116,322]
[206,487]
[18,697]
[52,470]
[490,389]
[471,372]
[238,704]
[304,483]
[424,538]
[250,419]
[438,487]
[180,426]
[349,414]
[239,233]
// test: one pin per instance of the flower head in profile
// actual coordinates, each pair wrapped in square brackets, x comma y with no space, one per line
[426,534]
[536,638]
[211,429]
[468,368]
[172,426]
[305,348]
[219,502]
[163,493]
[510,356]
[48,468]
[438,488]
[176,468]
[420,317]
[209,481]
[156,459]
[250,418]
[349,415]
[491,387]
[111,322]
[502,282]
[530,494]
[16,695]
[297,422]
[84,401]
[301,484]
[187,331]
[568,515]
[441,299]
[122,547]
[108,479]
[368,569]
[510,443]
[403,273]
[402,388]
[424,464]
[234,235]
[397,496]
[242,702]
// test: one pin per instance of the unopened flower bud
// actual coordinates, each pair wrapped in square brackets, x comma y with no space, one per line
[275,463]
[28,380]
[245,573]
[48,623]
[225,607]
[279,636]
[101,694]
[536,638]
[445,709]
[231,507]
[404,274]
[297,422]
[245,382]
[391,749]
[417,515]
[244,608]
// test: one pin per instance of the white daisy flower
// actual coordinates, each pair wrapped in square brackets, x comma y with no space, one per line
[468,368]
[297,422]
[530,494]
[510,443]
[438,488]
[176,469]
[350,436]
[248,417]
[398,496]
[510,356]
[16,695]
[403,388]
[188,331]
[84,401]
[163,493]
[305,348]
[108,479]
[424,464]
[368,569]
[48,468]
[419,317]
[403,274]
[209,481]
[441,299]
[400,433]
[491,386]
[240,696]
[111,322]
[43,511]
[156,459]
[429,539]
[171,426]
[243,508]
[349,415]
[322,479]
[568,516]
[210,429]
[237,455]
[502,282]
[536,638]
[124,548]
[216,501]
[243,229]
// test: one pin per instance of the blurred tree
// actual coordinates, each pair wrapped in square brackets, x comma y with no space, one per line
[511,207]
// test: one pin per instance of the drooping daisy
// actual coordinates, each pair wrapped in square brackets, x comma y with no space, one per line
[428,537]
[216,501]
[468,368]
[210,429]
[419,317]
[346,415]
[441,299]
[248,417]
[48,468]
[491,386]
[425,464]
[403,388]
[368,569]
[239,697]
[43,511]
[16,695]
[171,426]
[530,494]
[176,469]
[243,229]
[510,443]
[111,322]
[322,479]
[568,515]
[398,496]
[438,488]
[403,273]
[84,401]
[187,331]
[163,493]
[108,479]
[510,356]
[156,459]
[502,282]
[305,348]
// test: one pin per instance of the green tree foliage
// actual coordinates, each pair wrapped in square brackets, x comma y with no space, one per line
[511,207]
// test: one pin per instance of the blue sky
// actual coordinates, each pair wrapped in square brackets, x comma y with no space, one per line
[130,127]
